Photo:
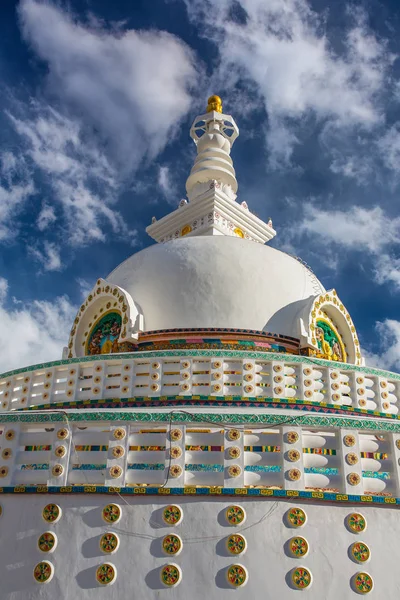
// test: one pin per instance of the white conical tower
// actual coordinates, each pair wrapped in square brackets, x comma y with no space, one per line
[211,187]
[214,134]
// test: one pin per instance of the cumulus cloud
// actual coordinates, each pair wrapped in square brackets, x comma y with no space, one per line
[16,186]
[49,257]
[388,336]
[132,86]
[283,47]
[35,331]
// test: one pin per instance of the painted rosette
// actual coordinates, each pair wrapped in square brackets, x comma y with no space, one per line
[172,515]
[236,544]
[235,515]
[363,583]
[172,544]
[356,523]
[111,513]
[236,575]
[47,542]
[109,543]
[43,572]
[170,575]
[296,517]
[298,547]
[360,552]
[106,574]
[51,513]
[301,578]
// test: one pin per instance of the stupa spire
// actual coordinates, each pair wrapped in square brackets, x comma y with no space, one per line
[214,134]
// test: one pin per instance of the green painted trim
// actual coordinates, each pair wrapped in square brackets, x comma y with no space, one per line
[268,356]
[184,416]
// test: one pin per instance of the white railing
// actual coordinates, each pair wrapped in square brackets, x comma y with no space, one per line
[184,374]
[286,457]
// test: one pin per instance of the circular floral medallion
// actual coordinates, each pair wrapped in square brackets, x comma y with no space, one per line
[109,543]
[106,574]
[170,575]
[57,470]
[111,513]
[175,435]
[298,546]
[47,542]
[3,471]
[292,437]
[233,435]
[356,523]
[236,575]
[236,544]
[43,572]
[351,458]
[293,455]
[235,514]
[60,451]
[296,517]
[175,471]
[363,583]
[349,440]
[360,552]
[234,471]
[62,434]
[51,513]
[353,478]
[247,366]
[6,453]
[172,544]
[301,578]
[118,452]
[172,514]
[10,435]
[398,444]
[115,472]
[119,433]
[175,452]
[234,452]
[294,474]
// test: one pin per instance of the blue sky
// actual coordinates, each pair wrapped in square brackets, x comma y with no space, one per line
[96,102]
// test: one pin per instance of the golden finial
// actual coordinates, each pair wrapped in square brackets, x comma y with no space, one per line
[214,103]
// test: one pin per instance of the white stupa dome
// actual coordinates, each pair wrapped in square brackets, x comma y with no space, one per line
[215,281]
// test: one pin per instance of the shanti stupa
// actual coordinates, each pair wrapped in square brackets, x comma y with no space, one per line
[211,430]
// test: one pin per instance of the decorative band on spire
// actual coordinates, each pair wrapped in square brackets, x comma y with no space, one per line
[214,103]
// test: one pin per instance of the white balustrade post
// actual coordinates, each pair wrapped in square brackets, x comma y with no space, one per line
[117,455]
[61,440]
[174,470]
[9,452]
[350,462]
[292,458]
[234,457]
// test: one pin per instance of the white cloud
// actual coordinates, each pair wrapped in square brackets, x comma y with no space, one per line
[282,46]
[35,332]
[388,357]
[165,184]
[133,86]
[389,148]
[16,186]
[49,257]
[46,217]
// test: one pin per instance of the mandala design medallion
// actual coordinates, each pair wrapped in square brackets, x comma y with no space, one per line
[47,542]
[106,574]
[175,452]
[175,435]
[298,546]
[235,515]
[363,583]
[293,455]
[118,452]
[119,433]
[170,575]
[175,471]
[236,575]
[51,513]
[172,544]
[360,552]
[301,578]
[111,513]
[294,474]
[172,515]
[234,452]
[353,478]
[351,458]
[349,440]
[236,544]
[109,543]
[43,572]
[62,434]
[296,517]
[234,471]
[356,523]
[233,435]
[292,437]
